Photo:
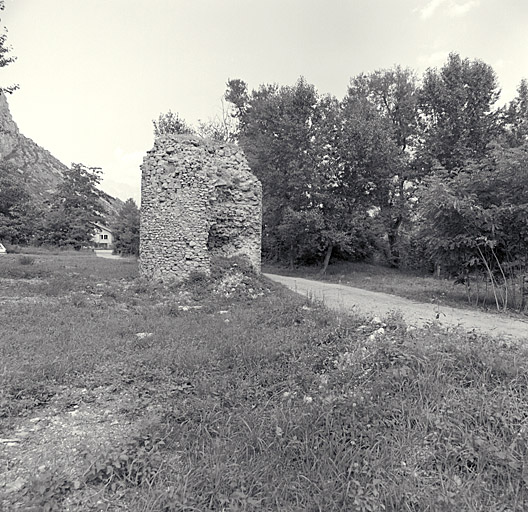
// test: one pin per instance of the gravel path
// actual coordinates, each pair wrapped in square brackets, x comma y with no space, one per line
[107,253]
[347,298]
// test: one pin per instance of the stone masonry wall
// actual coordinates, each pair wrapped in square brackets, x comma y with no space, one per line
[198,199]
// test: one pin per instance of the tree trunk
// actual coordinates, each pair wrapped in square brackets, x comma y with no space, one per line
[523,291]
[326,261]
[394,239]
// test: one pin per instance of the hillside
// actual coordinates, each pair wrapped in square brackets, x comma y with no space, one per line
[41,171]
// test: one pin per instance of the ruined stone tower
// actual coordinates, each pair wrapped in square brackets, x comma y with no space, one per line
[198,199]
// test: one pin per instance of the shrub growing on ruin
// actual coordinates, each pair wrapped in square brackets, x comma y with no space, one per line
[170,123]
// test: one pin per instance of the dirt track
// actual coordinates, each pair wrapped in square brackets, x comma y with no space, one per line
[346,298]
[107,253]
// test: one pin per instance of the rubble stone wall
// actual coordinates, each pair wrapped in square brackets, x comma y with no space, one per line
[198,199]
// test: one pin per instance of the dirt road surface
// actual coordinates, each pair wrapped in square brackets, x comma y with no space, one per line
[107,253]
[349,299]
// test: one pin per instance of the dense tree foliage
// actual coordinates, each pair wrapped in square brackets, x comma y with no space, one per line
[75,208]
[125,229]
[474,224]
[12,190]
[20,217]
[473,204]
[457,112]
[6,57]
[391,167]
[393,94]
[327,166]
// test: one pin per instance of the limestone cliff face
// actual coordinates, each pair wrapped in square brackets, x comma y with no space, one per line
[40,170]
[8,129]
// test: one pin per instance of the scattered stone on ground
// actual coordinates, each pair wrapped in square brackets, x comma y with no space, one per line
[56,440]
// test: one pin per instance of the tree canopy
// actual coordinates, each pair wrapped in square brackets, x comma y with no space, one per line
[457,113]
[6,56]
[352,176]
[125,229]
[75,208]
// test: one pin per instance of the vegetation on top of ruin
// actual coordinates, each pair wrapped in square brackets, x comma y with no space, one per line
[170,123]
[222,128]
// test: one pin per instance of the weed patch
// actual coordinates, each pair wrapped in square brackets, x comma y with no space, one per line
[26,260]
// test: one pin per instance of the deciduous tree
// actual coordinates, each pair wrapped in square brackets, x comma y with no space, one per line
[515,117]
[323,165]
[125,229]
[475,222]
[392,94]
[457,112]
[275,133]
[75,208]
[6,57]
[20,216]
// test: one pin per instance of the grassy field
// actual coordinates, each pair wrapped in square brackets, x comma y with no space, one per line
[412,285]
[231,394]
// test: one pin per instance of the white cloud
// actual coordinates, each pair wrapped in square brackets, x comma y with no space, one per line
[455,9]
[452,8]
[433,59]
[427,11]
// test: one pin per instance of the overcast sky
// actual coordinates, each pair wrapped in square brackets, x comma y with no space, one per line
[93,74]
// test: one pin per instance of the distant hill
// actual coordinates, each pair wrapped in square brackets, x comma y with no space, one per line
[41,171]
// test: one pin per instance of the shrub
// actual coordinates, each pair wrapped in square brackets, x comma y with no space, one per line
[26,260]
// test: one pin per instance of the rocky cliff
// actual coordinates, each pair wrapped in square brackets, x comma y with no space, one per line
[41,171]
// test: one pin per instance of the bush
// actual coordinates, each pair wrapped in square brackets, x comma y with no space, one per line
[26,260]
